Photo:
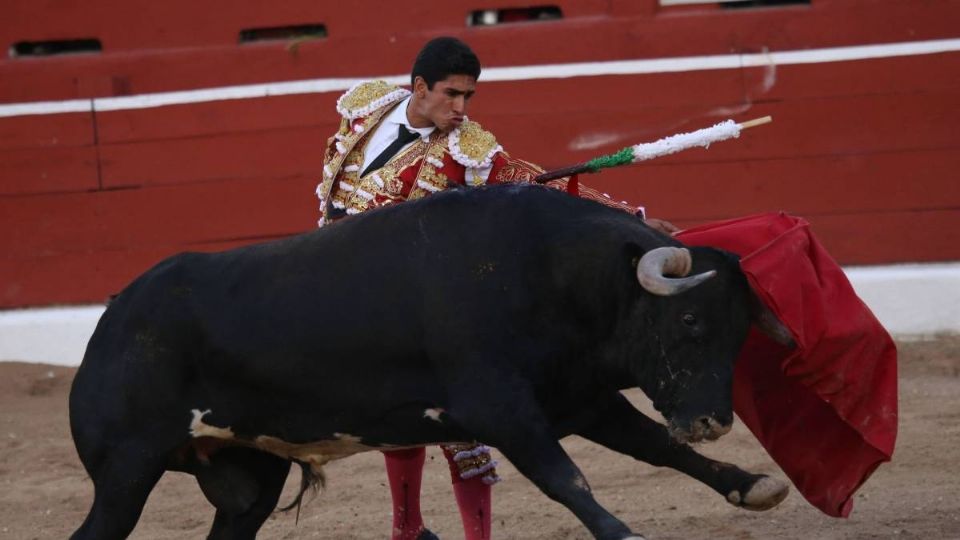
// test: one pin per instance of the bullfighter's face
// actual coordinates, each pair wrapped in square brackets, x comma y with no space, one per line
[443,106]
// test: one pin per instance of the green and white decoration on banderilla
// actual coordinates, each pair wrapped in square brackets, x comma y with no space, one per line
[728,129]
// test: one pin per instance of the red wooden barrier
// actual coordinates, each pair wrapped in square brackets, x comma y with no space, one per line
[863,149]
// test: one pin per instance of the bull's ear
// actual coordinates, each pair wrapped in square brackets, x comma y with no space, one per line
[632,253]
[768,323]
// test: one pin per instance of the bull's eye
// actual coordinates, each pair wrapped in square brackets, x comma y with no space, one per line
[689,319]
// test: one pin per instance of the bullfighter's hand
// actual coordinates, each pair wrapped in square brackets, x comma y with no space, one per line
[662,226]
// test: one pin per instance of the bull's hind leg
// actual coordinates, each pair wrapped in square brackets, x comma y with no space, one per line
[621,427]
[244,485]
[122,480]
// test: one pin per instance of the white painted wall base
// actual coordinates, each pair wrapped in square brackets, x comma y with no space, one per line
[47,335]
[910,300]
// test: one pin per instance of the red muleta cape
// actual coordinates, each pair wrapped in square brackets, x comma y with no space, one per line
[825,411]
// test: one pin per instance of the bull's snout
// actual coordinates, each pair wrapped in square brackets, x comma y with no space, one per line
[700,428]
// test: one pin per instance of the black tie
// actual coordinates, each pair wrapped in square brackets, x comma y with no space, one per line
[403,137]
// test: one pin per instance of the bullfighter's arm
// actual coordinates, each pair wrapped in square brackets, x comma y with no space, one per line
[618,425]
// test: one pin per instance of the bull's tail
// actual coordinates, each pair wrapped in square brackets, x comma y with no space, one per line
[310,480]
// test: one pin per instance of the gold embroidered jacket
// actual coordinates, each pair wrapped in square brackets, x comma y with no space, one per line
[423,168]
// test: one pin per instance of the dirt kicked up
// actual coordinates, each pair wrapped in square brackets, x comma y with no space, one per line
[45,493]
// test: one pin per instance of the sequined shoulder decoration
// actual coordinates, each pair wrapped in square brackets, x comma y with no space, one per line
[472,146]
[368,96]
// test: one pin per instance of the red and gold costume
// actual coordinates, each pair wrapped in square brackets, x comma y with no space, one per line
[467,155]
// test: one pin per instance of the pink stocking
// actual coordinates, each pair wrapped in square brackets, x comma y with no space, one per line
[473,500]
[405,471]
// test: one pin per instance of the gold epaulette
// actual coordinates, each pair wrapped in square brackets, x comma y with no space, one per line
[472,146]
[366,97]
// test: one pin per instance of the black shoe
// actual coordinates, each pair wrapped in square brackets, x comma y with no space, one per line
[425,534]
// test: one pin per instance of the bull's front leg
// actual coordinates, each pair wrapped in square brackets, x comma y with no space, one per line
[522,433]
[619,426]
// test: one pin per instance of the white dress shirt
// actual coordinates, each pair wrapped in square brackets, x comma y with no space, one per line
[386,133]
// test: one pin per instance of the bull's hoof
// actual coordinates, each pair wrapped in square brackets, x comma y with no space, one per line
[764,494]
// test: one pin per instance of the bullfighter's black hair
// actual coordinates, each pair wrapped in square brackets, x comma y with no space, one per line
[442,57]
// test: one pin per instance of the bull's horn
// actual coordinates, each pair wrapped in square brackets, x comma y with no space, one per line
[768,323]
[657,262]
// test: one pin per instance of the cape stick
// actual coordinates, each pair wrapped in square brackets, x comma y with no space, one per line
[727,129]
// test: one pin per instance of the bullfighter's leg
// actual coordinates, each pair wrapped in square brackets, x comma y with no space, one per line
[473,501]
[405,473]
[472,472]
[244,485]
[522,433]
[122,480]
[621,427]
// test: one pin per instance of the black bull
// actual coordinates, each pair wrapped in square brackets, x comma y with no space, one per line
[509,315]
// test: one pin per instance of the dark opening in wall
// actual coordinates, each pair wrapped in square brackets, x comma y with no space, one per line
[55,47]
[490,17]
[277,33]
[763,3]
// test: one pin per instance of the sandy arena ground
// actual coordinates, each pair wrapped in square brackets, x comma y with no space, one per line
[45,493]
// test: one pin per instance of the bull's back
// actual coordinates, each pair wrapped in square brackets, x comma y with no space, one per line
[374,293]
[324,295]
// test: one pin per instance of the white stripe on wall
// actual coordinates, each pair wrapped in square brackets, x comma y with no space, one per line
[46,107]
[515,73]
